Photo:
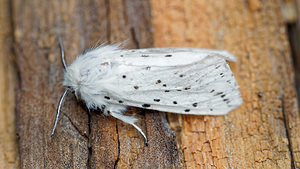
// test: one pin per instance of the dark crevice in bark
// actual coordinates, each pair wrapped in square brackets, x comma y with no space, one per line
[136,42]
[287,132]
[89,140]
[76,128]
[293,35]
[107,5]
[118,158]
[17,78]
[14,47]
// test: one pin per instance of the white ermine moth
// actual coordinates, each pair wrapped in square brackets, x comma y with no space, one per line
[178,80]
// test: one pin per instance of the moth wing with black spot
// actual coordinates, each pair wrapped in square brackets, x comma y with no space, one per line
[178,80]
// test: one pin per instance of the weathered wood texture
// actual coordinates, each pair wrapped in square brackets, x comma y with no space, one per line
[8,141]
[264,132]
[81,141]
[294,37]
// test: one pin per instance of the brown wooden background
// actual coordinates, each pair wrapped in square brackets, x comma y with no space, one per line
[262,133]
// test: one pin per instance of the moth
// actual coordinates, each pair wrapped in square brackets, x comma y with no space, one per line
[173,79]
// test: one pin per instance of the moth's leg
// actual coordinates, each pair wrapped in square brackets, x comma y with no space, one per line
[117,112]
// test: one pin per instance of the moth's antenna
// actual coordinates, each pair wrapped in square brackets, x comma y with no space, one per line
[58,110]
[62,53]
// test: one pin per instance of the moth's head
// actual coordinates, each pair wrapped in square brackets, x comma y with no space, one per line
[73,80]
[81,77]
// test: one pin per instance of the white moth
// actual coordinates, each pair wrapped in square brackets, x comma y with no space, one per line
[178,80]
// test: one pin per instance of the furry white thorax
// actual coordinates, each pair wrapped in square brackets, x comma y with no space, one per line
[90,75]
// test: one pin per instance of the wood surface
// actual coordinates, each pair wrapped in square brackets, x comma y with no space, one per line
[9,158]
[262,133]
[294,37]
[80,141]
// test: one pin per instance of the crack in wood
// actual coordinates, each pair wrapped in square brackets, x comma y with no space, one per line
[107,6]
[118,157]
[293,165]
[76,128]
[90,152]
[134,38]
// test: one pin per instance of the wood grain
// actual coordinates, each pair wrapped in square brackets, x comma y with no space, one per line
[8,139]
[81,140]
[264,131]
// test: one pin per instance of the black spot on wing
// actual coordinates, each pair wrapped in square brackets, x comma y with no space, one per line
[168,55]
[158,81]
[219,93]
[195,104]
[156,100]
[136,87]
[146,105]
[174,102]
[225,100]
[124,76]
[120,101]
[106,97]
[187,110]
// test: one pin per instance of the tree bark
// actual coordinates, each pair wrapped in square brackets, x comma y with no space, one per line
[8,141]
[262,133]
[80,141]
